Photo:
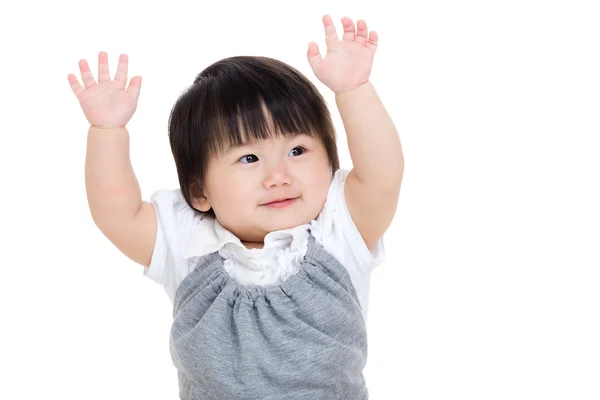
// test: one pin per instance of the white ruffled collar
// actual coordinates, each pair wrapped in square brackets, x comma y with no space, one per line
[210,236]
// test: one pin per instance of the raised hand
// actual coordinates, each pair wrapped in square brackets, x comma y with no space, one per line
[348,62]
[106,104]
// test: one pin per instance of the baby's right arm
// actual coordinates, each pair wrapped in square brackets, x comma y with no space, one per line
[113,192]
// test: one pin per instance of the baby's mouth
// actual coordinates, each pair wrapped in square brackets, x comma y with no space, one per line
[281,203]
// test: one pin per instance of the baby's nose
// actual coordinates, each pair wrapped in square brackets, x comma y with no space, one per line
[277,175]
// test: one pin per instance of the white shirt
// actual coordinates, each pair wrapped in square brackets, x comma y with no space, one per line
[184,237]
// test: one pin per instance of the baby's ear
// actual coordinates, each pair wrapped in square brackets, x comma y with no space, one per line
[201,204]
[199,200]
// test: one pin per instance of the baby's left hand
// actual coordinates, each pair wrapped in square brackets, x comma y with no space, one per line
[348,62]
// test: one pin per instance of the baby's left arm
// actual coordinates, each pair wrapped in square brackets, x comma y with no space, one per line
[373,185]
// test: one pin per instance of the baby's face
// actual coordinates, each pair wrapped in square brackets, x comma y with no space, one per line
[240,183]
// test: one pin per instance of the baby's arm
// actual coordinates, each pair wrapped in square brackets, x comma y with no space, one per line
[113,192]
[114,195]
[372,187]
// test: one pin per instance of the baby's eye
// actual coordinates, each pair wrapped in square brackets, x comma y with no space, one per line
[245,158]
[300,149]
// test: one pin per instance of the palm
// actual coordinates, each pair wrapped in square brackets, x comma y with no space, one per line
[348,61]
[106,103]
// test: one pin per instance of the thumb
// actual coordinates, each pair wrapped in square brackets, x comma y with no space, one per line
[135,84]
[314,57]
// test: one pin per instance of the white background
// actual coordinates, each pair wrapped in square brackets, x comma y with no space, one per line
[491,288]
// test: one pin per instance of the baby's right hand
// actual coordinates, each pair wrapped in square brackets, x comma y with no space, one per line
[106,104]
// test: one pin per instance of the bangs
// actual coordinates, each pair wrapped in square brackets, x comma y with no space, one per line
[244,108]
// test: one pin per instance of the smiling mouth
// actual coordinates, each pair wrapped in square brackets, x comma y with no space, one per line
[281,203]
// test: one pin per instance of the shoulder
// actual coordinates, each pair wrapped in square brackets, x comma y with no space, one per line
[337,232]
[172,210]
[176,221]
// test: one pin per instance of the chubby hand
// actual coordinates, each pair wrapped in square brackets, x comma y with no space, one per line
[348,62]
[106,103]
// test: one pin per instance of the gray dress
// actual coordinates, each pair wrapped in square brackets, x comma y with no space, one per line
[303,339]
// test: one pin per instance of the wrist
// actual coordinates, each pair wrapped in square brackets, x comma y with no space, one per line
[100,133]
[97,128]
[354,89]
[105,128]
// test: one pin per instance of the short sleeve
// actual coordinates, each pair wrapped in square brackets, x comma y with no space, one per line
[175,221]
[340,235]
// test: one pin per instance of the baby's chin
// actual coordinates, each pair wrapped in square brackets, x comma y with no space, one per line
[291,220]
[264,229]
[257,226]
[279,226]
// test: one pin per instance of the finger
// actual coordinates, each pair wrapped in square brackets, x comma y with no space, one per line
[75,85]
[330,34]
[373,41]
[348,29]
[86,74]
[121,75]
[314,56]
[135,85]
[361,33]
[103,74]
